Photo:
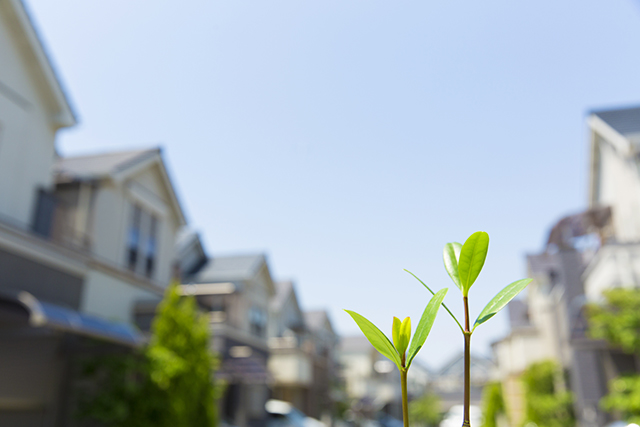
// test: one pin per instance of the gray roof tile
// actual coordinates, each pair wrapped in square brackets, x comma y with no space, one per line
[229,268]
[625,121]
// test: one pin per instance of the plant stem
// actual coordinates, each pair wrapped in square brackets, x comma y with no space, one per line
[405,400]
[466,422]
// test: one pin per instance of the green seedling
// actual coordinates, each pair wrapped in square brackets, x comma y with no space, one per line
[463,264]
[400,351]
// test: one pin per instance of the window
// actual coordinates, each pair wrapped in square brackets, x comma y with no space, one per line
[257,321]
[152,243]
[133,238]
[142,242]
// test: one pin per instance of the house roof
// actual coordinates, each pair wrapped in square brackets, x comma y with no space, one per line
[283,290]
[316,319]
[117,166]
[229,268]
[355,344]
[625,121]
[22,23]
[99,166]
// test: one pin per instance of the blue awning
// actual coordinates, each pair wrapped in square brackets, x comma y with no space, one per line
[41,314]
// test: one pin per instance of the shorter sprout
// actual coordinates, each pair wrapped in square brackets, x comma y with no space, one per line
[401,335]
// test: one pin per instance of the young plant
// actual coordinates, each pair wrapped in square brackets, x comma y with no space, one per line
[463,264]
[401,334]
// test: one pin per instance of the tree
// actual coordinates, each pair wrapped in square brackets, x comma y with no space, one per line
[617,321]
[545,405]
[180,362]
[492,404]
[167,384]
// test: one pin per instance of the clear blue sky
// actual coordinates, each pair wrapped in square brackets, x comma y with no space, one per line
[350,139]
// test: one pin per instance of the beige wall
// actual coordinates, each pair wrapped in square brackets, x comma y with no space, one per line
[112,212]
[618,185]
[111,298]
[294,368]
[614,266]
[27,132]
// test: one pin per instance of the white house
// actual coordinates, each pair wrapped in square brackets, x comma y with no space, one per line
[82,240]
[586,254]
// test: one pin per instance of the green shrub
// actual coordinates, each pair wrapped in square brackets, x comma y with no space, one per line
[544,404]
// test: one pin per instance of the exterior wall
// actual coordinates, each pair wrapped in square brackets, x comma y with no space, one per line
[26,133]
[614,266]
[357,369]
[112,298]
[112,212]
[618,185]
[518,351]
[292,368]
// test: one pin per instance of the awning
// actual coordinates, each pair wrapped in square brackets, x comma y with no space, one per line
[20,308]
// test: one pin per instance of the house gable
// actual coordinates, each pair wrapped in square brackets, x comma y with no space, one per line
[36,62]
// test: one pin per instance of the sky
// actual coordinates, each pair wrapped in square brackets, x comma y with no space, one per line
[350,139]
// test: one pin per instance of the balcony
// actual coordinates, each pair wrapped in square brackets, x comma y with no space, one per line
[61,222]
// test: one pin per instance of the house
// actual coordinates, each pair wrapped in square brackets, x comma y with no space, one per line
[81,239]
[236,291]
[325,342]
[291,359]
[122,208]
[586,253]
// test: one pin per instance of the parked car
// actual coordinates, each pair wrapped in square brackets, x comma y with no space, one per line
[284,414]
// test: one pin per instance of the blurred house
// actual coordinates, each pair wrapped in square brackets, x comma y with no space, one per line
[236,290]
[291,360]
[302,360]
[324,344]
[448,382]
[81,239]
[585,254]
[372,382]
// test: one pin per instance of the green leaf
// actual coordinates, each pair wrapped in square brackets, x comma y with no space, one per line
[395,332]
[425,324]
[500,300]
[404,336]
[451,254]
[377,339]
[443,304]
[472,256]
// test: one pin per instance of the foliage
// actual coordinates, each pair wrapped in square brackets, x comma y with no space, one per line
[624,397]
[618,319]
[463,263]
[545,405]
[181,364]
[426,410]
[125,396]
[492,404]
[401,333]
[169,383]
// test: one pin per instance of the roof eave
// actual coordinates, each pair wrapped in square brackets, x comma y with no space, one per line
[64,116]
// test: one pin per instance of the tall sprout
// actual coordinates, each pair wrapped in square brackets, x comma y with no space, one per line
[464,264]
